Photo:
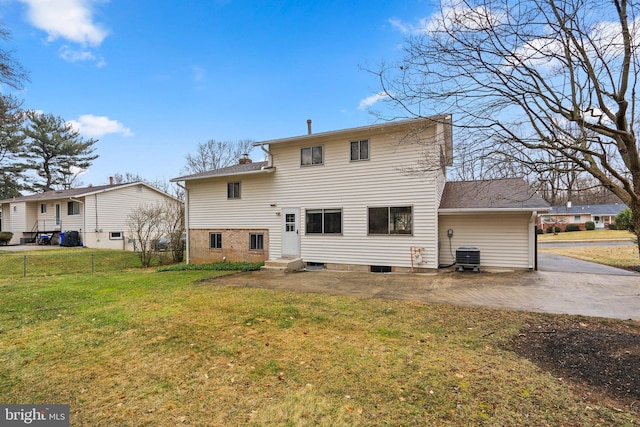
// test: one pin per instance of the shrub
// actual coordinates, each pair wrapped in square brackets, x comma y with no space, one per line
[5,237]
[624,220]
[573,227]
[539,231]
[612,226]
[550,229]
[589,225]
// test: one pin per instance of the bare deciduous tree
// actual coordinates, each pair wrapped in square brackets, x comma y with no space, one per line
[146,226]
[532,82]
[214,154]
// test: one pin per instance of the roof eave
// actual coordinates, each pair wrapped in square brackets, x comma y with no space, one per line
[444,118]
[195,178]
[451,211]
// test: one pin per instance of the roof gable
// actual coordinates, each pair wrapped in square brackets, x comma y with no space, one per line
[508,194]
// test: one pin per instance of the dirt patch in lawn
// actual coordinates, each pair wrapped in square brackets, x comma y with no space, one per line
[599,359]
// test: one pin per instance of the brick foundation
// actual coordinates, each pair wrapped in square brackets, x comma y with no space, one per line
[235,246]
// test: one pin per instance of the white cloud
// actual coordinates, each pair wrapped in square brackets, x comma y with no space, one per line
[371,100]
[97,126]
[72,55]
[68,19]
[199,73]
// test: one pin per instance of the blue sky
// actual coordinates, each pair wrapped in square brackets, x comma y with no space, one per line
[152,79]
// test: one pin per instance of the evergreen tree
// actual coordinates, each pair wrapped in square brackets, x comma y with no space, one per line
[11,147]
[55,151]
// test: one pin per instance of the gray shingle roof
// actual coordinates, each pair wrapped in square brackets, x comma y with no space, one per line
[238,169]
[508,193]
[60,194]
[605,209]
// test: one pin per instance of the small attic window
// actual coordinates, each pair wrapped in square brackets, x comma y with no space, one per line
[139,188]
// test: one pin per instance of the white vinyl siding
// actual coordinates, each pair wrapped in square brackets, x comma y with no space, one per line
[339,184]
[503,239]
[107,212]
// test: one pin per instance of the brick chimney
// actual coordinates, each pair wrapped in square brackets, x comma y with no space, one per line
[244,159]
[110,180]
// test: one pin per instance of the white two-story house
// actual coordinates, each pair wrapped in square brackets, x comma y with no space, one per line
[366,198]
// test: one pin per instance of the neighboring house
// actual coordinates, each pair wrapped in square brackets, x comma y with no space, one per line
[600,215]
[366,198]
[98,214]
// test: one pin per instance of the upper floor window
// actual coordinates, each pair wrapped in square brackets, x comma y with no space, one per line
[73,208]
[391,220]
[233,190]
[360,150]
[312,156]
[43,208]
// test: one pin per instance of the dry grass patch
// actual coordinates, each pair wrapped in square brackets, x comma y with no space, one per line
[143,348]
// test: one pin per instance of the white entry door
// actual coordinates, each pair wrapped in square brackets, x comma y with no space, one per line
[291,232]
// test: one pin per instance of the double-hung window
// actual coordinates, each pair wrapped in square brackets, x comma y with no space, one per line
[360,150]
[391,220]
[43,208]
[324,221]
[312,155]
[233,190]
[73,208]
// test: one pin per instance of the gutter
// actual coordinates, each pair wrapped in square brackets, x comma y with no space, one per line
[269,168]
[453,211]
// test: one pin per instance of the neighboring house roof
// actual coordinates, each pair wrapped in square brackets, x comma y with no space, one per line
[509,194]
[238,169]
[605,209]
[76,192]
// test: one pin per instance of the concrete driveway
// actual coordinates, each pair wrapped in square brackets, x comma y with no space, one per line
[589,294]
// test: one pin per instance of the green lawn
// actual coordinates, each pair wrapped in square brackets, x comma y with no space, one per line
[141,347]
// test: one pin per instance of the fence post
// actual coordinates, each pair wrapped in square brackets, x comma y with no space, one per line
[24,267]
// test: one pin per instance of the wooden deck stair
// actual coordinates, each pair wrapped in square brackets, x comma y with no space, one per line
[285,265]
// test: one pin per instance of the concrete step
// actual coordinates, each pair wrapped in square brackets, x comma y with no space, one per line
[286,265]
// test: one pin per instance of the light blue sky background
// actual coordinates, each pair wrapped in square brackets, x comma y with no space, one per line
[151,79]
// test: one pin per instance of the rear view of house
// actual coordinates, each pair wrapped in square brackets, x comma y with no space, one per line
[366,199]
[95,217]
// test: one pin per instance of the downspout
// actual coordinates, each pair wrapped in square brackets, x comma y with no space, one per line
[269,158]
[84,219]
[186,217]
[533,242]
[97,226]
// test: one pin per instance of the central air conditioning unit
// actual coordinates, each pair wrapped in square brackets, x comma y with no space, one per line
[468,258]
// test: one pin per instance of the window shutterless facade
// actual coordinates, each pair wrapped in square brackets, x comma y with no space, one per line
[43,208]
[233,190]
[360,150]
[116,235]
[312,156]
[73,208]
[324,221]
[256,241]
[215,240]
[391,220]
